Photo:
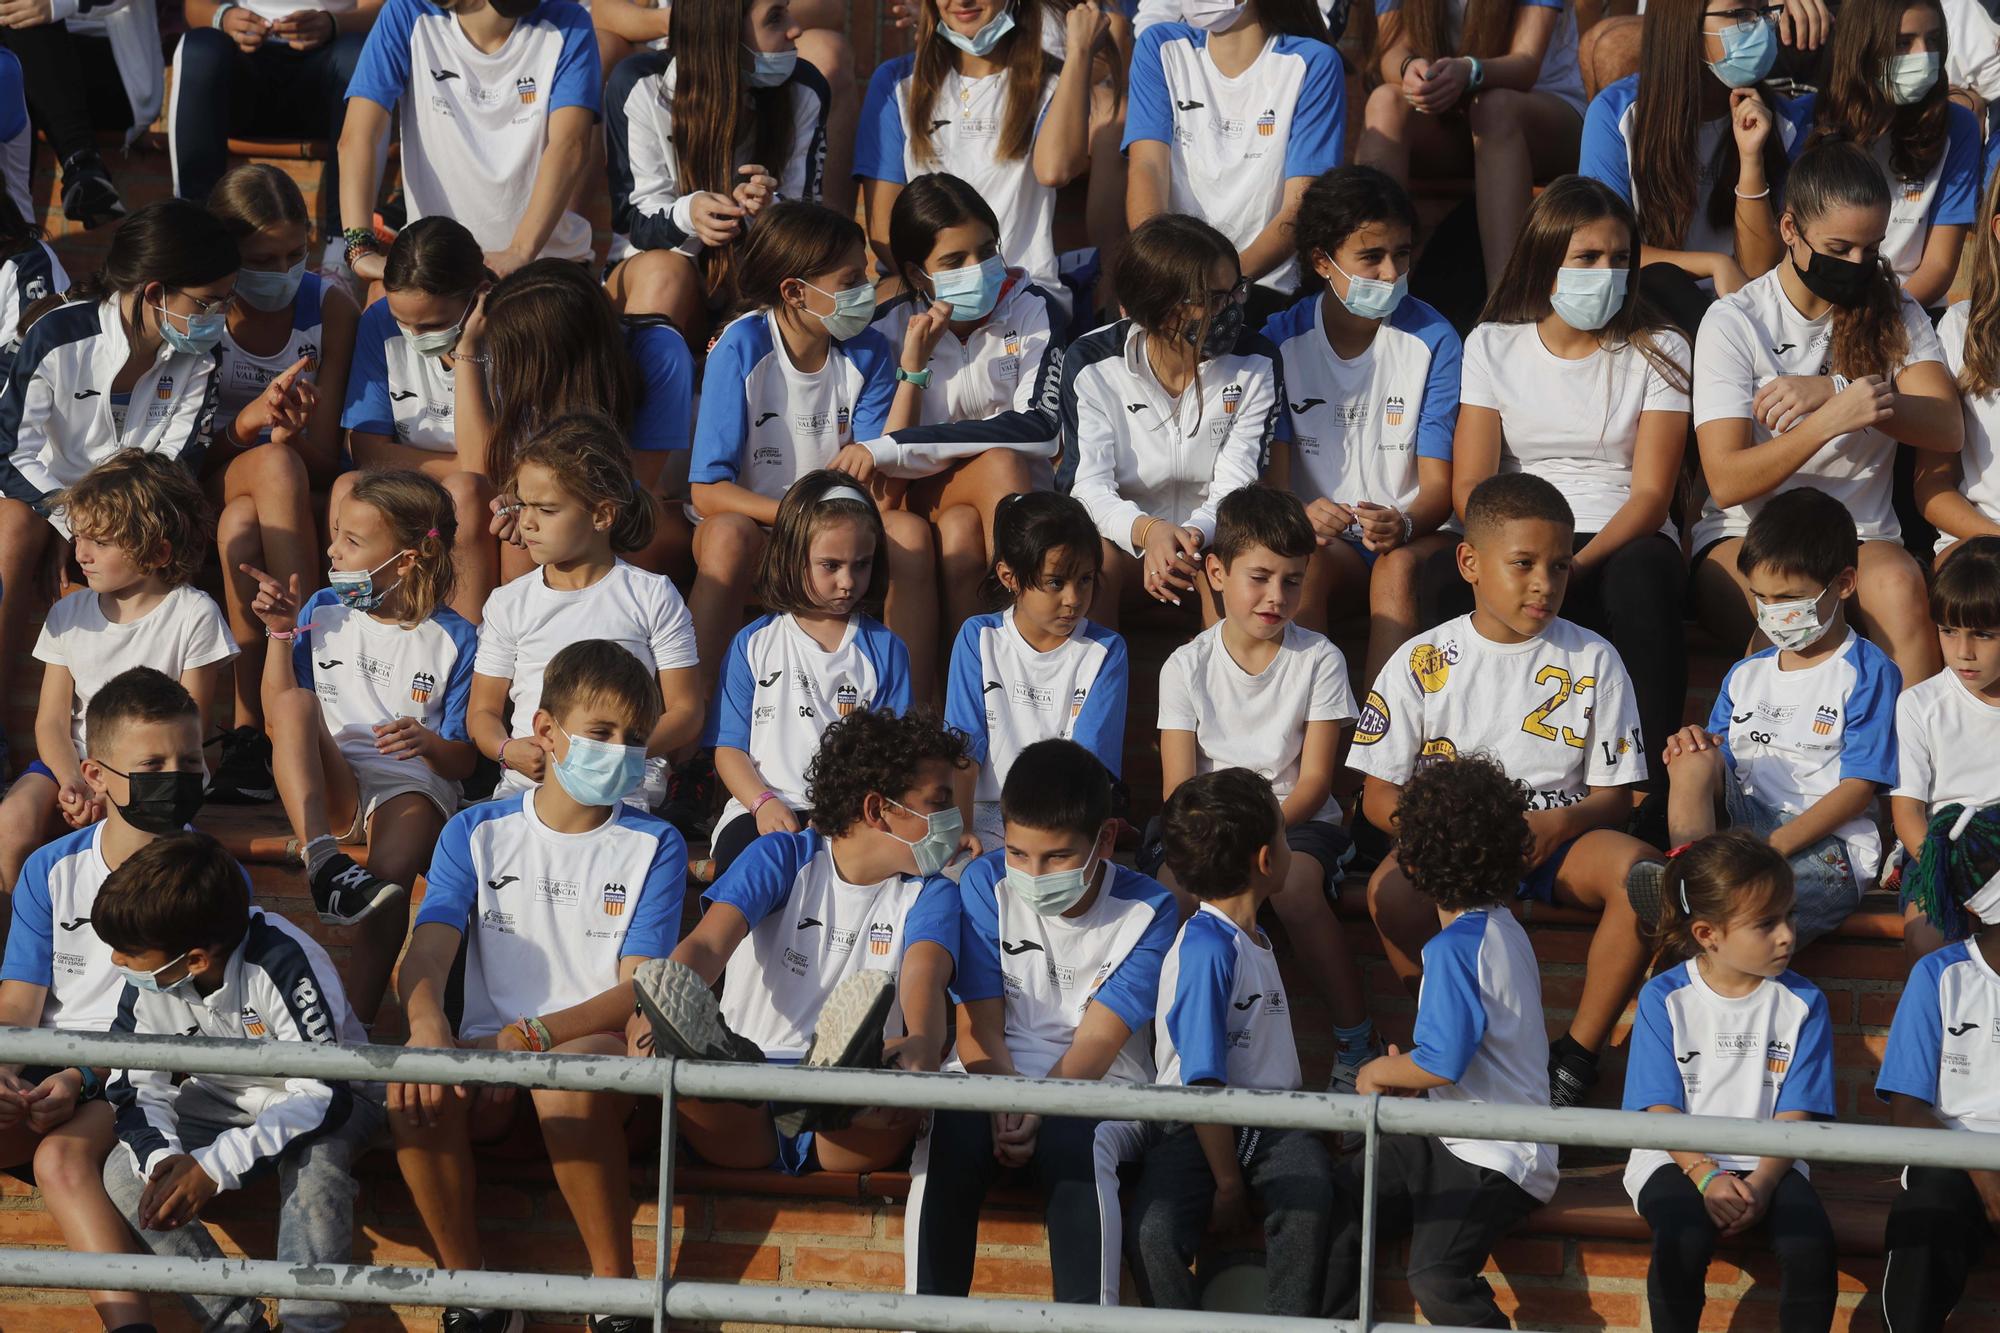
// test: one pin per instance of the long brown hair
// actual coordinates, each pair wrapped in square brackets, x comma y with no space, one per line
[257,195]
[557,348]
[419,514]
[436,256]
[784,581]
[792,239]
[1522,295]
[716,110]
[1981,373]
[1666,126]
[1162,268]
[1426,26]
[172,242]
[1724,878]
[1854,106]
[1868,339]
[1027,66]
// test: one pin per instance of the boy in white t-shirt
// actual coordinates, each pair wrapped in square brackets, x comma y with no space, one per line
[1552,703]
[1223,1021]
[834,945]
[555,895]
[1257,691]
[1463,839]
[1802,737]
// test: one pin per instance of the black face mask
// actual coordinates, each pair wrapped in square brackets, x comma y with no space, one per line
[513,9]
[1224,328]
[161,803]
[1843,282]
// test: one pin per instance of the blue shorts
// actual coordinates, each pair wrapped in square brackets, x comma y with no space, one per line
[36,768]
[1539,884]
[1368,557]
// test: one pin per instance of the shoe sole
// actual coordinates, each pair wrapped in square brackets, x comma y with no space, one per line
[1645,889]
[386,894]
[849,1022]
[685,1023]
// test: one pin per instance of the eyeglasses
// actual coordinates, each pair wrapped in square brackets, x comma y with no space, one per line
[1748,14]
[215,307]
[1219,297]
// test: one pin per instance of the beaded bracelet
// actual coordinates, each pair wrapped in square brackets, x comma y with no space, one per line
[1707,1180]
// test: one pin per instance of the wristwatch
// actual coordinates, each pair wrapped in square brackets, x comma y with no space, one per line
[93,1085]
[920,378]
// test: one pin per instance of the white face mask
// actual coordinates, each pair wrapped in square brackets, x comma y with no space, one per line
[1795,624]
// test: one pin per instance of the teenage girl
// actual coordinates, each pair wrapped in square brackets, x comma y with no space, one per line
[141,534]
[1887,94]
[1234,110]
[371,755]
[1485,87]
[1959,494]
[817,654]
[1371,375]
[579,508]
[786,388]
[1810,376]
[1731,1031]
[981,99]
[1573,376]
[125,359]
[1060,676]
[1166,411]
[980,351]
[29,271]
[701,136]
[556,346]
[1948,727]
[1714,140]
[417,352]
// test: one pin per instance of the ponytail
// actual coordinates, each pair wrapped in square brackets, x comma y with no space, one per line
[172,242]
[420,515]
[1867,339]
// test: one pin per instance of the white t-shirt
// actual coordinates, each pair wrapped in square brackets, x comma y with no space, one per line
[781,691]
[474,125]
[1792,736]
[1575,424]
[186,630]
[1754,336]
[1557,711]
[1223,1016]
[1233,142]
[551,914]
[1748,1057]
[1049,970]
[967,121]
[1480,1025]
[1946,740]
[810,930]
[1258,722]
[1979,463]
[528,622]
[1973,58]
[1942,1047]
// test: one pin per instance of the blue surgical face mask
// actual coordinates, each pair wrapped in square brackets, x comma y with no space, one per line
[355,588]
[943,829]
[1748,52]
[150,981]
[264,290]
[202,334]
[986,38]
[1587,298]
[598,772]
[853,311]
[1057,891]
[972,291]
[1372,298]
[1908,78]
[768,69]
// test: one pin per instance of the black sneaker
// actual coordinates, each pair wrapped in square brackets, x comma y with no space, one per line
[489,1321]
[687,1022]
[1645,890]
[1571,1077]
[89,198]
[243,777]
[619,1323]
[690,805]
[344,891]
[848,1035]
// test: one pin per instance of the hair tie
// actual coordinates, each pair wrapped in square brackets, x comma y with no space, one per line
[432,533]
[845,493]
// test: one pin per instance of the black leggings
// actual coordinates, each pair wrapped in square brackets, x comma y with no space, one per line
[218,88]
[1794,1227]
[1937,1232]
[72,85]
[1636,599]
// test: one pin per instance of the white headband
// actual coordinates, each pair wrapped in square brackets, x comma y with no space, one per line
[845,493]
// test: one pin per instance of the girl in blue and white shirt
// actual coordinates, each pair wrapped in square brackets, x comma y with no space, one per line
[1166,411]
[1234,110]
[1732,1031]
[980,353]
[817,655]
[786,388]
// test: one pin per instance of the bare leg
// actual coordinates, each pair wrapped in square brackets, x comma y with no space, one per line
[912,611]
[69,1169]
[24,540]
[477,551]
[1515,138]
[29,817]
[1392,598]
[1592,879]
[828,51]
[1892,607]
[1722,596]
[1404,918]
[314,781]
[402,833]
[1608,50]
[728,1135]
[727,548]
[1920,937]
[272,477]
[662,282]
[1319,942]
[1694,785]
[585,1134]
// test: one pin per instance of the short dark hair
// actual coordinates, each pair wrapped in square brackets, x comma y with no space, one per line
[874,750]
[1253,516]
[1802,531]
[1462,832]
[1214,826]
[178,892]
[142,695]
[593,669]
[1057,786]
[1506,497]
[1341,202]
[1965,591]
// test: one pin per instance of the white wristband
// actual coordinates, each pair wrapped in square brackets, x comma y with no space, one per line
[215,20]
[1840,383]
